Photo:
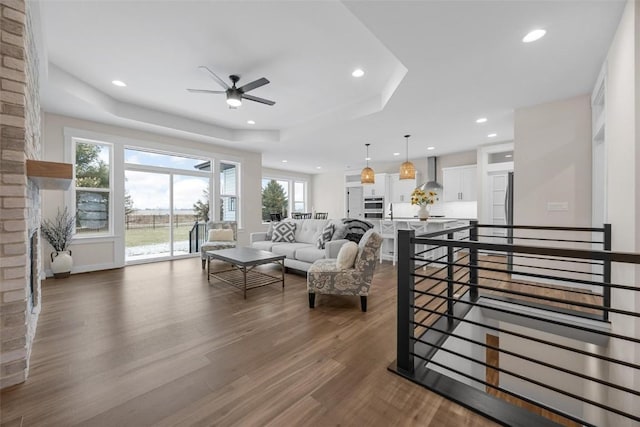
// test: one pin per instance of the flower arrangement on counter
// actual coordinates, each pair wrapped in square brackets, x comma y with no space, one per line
[423,198]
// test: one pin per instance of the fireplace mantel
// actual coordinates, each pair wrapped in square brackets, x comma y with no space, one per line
[50,175]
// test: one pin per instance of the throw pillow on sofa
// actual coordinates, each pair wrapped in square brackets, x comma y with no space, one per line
[347,256]
[356,228]
[269,235]
[340,230]
[284,232]
[325,235]
[221,235]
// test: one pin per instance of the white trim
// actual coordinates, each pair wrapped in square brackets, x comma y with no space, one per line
[143,143]
[117,188]
[86,268]
[73,141]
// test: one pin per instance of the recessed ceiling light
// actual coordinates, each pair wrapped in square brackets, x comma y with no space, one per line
[396,154]
[534,35]
[284,161]
[492,135]
[367,158]
[358,72]
[318,167]
[481,120]
[251,122]
[431,148]
[118,83]
[508,155]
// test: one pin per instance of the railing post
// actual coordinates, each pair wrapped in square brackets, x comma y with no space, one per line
[197,225]
[450,278]
[473,262]
[606,277]
[406,297]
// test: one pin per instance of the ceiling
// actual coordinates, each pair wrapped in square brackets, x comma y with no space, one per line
[431,69]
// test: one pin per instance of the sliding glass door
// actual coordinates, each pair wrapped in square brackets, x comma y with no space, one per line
[190,194]
[147,215]
[165,196]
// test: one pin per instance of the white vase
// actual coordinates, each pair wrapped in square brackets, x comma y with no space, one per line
[61,263]
[423,213]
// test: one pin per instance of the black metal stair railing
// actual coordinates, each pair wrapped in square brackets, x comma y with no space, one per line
[197,236]
[522,330]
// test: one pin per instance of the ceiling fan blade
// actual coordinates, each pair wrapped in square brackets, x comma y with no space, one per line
[205,91]
[215,77]
[256,99]
[254,85]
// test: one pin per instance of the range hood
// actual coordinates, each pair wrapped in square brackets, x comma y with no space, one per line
[432,172]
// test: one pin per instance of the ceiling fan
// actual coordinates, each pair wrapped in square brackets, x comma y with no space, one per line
[235,95]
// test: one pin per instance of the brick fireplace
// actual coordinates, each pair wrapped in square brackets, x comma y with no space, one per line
[20,215]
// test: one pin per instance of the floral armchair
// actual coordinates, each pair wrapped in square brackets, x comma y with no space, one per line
[211,245]
[324,277]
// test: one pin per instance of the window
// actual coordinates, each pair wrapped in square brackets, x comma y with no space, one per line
[93,187]
[282,196]
[228,192]
[299,195]
[165,195]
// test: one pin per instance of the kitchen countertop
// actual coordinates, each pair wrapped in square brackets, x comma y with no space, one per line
[448,218]
[430,220]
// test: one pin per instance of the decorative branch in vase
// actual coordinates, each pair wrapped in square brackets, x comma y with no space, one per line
[59,234]
[423,199]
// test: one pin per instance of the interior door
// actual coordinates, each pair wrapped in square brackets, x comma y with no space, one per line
[355,204]
[498,192]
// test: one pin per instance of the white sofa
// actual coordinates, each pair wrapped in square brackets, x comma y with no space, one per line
[304,251]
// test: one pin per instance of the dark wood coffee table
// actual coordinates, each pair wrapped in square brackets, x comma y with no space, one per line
[242,273]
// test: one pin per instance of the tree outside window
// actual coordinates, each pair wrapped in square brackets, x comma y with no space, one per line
[93,187]
[274,200]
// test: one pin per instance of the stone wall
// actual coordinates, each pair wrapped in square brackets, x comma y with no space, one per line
[19,198]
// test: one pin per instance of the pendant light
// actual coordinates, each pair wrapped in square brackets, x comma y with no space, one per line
[407,170]
[367,176]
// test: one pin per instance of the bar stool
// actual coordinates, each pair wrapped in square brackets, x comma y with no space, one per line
[388,231]
[420,227]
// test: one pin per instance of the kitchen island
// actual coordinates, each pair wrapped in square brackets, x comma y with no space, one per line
[388,251]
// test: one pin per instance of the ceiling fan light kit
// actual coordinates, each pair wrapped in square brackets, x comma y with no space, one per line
[407,169]
[234,94]
[367,176]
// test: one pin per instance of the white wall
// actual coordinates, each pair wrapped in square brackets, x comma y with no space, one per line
[460,346]
[622,104]
[101,253]
[552,159]
[328,194]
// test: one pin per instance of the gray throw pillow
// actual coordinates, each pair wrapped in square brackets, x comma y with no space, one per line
[270,230]
[340,230]
[325,236]
[284,232]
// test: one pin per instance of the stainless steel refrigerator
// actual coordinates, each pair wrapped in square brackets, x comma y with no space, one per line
[508,212]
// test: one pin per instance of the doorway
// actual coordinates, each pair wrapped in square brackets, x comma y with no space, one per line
[355,208]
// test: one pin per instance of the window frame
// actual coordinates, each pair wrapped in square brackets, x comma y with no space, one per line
[291,192]
[236,196]
[110,191]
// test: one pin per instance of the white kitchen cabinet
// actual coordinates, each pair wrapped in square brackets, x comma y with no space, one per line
[459,184]
[400,189]
[377,189]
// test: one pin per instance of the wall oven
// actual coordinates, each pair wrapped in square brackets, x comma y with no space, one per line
[374,207]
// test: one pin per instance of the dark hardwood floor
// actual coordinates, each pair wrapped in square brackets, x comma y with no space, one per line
[155,344]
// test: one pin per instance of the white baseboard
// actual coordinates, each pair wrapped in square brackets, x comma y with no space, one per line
[87,268]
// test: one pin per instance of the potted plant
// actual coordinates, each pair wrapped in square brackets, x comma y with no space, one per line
[59,233]
[423,199]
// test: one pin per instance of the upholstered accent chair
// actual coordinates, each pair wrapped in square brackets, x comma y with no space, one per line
[212,245]
[324,277]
